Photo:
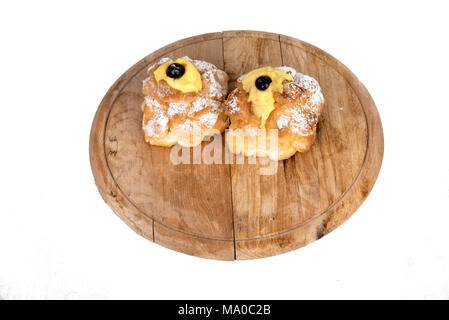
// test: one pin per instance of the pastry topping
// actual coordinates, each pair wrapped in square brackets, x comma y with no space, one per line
[262,100]
[263,82]
[180,74]
[175,70]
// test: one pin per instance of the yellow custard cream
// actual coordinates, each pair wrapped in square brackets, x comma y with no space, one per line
[262,100]
[190,81]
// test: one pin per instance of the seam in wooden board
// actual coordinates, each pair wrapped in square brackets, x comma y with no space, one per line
[280,49]
[154,238]
[229,166]
[243,239]
[284,162]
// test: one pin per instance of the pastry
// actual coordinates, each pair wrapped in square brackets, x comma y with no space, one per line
[184,102]
[274,113]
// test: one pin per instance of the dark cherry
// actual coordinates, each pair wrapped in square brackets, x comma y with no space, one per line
[263,82]
[175,70]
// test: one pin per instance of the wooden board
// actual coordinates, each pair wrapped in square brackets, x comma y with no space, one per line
[230,211]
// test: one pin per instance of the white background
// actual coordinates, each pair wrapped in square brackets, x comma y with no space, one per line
[58,239]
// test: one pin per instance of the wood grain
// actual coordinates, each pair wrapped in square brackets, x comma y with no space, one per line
[231,212]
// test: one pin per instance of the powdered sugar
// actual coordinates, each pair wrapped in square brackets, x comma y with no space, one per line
[152,103]
[220,76]
[157,125]
[175,108]
[201,103]
[216,90]
[283,121]
[312,86]
[161,61]
[240,79]
[288,70]
[148,85]
[209,119]
[232,104]
[298,120]
[202,66]
[302,121]
[316,98]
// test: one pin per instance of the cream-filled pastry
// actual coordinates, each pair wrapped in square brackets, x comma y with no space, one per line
[274,113]
[184,102]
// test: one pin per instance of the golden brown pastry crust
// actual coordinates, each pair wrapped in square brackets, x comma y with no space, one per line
[171,117]
[295,116]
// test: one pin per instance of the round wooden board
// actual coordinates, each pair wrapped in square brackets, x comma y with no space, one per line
[230,211]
